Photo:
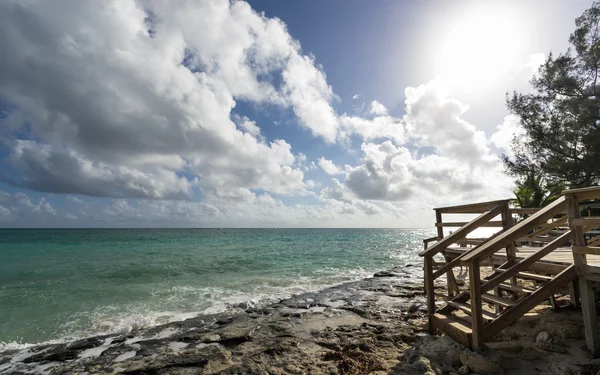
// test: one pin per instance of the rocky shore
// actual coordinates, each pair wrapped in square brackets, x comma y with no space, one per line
[372,326]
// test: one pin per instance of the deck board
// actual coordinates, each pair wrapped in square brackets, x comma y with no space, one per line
[562,255]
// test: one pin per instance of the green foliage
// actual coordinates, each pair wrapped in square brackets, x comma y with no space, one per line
[562,116]
[534,191]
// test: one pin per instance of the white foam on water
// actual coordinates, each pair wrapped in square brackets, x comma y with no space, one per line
[200,300]
[167,332]
[95,352]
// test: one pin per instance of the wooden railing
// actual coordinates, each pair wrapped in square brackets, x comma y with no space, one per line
[435,269]
[553,226]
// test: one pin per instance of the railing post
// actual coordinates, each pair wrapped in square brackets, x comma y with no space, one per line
[476,306]
[452,285]
[429,291]
[588,303]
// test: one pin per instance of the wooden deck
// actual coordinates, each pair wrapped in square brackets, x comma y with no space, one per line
[563,255]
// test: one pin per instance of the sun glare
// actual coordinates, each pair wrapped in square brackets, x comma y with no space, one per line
[480,49]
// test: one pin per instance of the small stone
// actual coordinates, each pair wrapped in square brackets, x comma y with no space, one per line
[292,369]
[464,370]
[480,363]
[543,341]
[211,338]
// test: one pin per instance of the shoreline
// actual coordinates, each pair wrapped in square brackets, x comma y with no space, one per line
[392,298]
[377,325]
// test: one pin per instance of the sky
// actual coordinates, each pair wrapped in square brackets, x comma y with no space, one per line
[264,113]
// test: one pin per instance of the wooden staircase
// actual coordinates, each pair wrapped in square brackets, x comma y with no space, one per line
[513,284]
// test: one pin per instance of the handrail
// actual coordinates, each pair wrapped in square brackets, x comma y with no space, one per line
[545,228]
[464,231]
[525,263]
[592,192]
[517,231]
[472,208]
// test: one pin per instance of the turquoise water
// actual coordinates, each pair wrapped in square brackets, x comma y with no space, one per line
[60,284]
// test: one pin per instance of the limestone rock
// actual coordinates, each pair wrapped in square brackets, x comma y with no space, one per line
[543,341]
[442,350]
[464,370]
[480,363]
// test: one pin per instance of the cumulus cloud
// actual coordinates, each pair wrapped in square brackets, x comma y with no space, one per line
[123,99]
[329,167]
[136,101]
[377,108]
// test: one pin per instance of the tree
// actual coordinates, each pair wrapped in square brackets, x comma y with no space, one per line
[534,191]
[561,117]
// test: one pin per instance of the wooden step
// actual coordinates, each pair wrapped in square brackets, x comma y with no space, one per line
[516,288]
[495,300]
[456,328]
[466,308]
[533,276]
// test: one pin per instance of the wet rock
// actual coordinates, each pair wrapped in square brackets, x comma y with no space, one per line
[485,363]
[85,344]
[224,321]
[57,354]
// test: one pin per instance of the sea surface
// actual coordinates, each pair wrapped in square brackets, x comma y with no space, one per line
[58,285]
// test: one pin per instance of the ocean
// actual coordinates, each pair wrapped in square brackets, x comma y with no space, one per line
[63,284]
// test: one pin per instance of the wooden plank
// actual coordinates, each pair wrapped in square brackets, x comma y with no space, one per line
[458,224]
[588,302]
[526,304]
[496,300]
[516,288]
[592,192]
[584,221]
[429,291]
[517,231]
[466,308]
[453,328]
[594,241]
[533,276]
[521,211]
[589,273]
[462,232]
[456,261]
[476,307]
[472,208]
[545,228]
[592,250]
[526,263]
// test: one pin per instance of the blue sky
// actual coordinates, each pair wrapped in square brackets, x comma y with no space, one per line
[292,114]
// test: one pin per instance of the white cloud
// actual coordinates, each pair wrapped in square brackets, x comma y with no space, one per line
[506,132]
[433,118]
[142,107]
[74,199]
[377,108]
[534,61]
[329,167]
[310,96]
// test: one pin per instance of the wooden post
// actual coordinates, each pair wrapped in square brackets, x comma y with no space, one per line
[452,285]
[588,303]
[476,306]
[511,249]
[429,291]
